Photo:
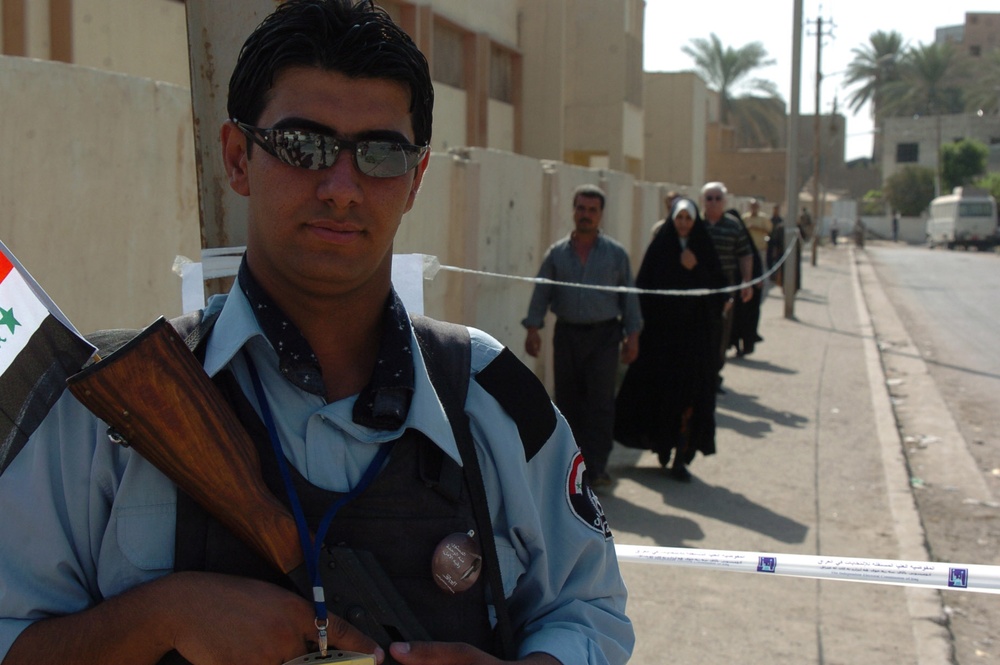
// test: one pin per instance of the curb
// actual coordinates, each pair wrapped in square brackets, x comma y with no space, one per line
[932,639]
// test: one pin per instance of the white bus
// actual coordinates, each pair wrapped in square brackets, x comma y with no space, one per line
[967,217]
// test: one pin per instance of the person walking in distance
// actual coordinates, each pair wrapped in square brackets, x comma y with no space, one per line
[591,326]
[760,228]
[667,399]
[736,256]
[776,244]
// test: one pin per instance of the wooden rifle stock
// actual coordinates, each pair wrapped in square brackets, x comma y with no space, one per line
[158,397]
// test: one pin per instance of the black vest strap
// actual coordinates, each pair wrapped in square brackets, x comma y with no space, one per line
[447,353]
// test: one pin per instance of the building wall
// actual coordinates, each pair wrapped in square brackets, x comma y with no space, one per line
[603,71]
[498,18]
[115,35]
[109,198]
[543,41]
[982,33]
[676,118]
[759,173]
[924,134]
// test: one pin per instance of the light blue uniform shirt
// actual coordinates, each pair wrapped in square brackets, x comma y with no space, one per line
[82,519]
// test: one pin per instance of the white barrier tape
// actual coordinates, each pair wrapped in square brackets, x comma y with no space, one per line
[224,262]
[432,269]
[934,575]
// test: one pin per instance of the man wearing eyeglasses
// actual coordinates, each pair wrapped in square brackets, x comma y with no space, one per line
[103,561]
[735,255]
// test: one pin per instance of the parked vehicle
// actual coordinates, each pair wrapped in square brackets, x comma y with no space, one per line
[967,217]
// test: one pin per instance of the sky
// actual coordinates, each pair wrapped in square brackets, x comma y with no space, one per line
[847,24]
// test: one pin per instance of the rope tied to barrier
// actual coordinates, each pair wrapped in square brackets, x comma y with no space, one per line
[432,266]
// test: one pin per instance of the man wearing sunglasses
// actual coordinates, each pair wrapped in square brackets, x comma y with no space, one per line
[735,255]
[326,366]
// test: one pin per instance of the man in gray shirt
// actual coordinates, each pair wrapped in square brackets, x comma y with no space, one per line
[591,324]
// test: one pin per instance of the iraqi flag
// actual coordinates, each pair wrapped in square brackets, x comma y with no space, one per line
[39,349]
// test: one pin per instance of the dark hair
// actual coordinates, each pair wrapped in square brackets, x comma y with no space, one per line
[589,191]
[357,39]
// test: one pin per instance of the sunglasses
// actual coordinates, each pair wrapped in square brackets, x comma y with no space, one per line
[314,151]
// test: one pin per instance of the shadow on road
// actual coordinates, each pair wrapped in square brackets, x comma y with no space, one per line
[759,417]
[696,497]
[761,365]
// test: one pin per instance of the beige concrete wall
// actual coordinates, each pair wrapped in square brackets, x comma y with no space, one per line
[596,69]
[98,192]
[37,29]
[676,116]
[500,132]
[450,126]
[543,43]
[115,35]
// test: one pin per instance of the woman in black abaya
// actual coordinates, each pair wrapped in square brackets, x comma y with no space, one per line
[667,399]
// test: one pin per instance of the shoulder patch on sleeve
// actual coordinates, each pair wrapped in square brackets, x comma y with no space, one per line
[582,499]
[523,397]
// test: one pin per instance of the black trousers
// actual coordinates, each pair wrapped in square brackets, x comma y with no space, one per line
[585,359]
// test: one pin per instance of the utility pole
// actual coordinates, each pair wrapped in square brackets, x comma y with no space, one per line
[790,271]
[817,144]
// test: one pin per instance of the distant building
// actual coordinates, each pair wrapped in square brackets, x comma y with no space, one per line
[914,140]
[979,35]
[146,38]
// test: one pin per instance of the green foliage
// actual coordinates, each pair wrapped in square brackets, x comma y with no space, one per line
[962,162]
[910,190]
[758,118]
[930,78]
[873,202]
[875,64]
[991,183]
[983,84]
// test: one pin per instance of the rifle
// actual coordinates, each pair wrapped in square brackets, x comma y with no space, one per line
[157,396]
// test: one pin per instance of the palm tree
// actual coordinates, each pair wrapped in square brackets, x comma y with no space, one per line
[875,65]
[726,69]
[929,83]
[983,93]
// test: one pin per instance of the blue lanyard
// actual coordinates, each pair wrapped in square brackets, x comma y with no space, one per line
[311,546]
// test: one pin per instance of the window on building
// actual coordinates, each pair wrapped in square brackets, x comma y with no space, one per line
[975,50]
[501,74]
[907,153]
[448,55]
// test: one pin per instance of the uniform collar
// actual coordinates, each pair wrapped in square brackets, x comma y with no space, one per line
[249,312]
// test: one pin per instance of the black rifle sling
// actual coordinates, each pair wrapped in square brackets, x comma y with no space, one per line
[446,350]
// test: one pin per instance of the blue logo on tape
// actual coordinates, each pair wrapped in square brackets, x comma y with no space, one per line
[766,564]
[958,578]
